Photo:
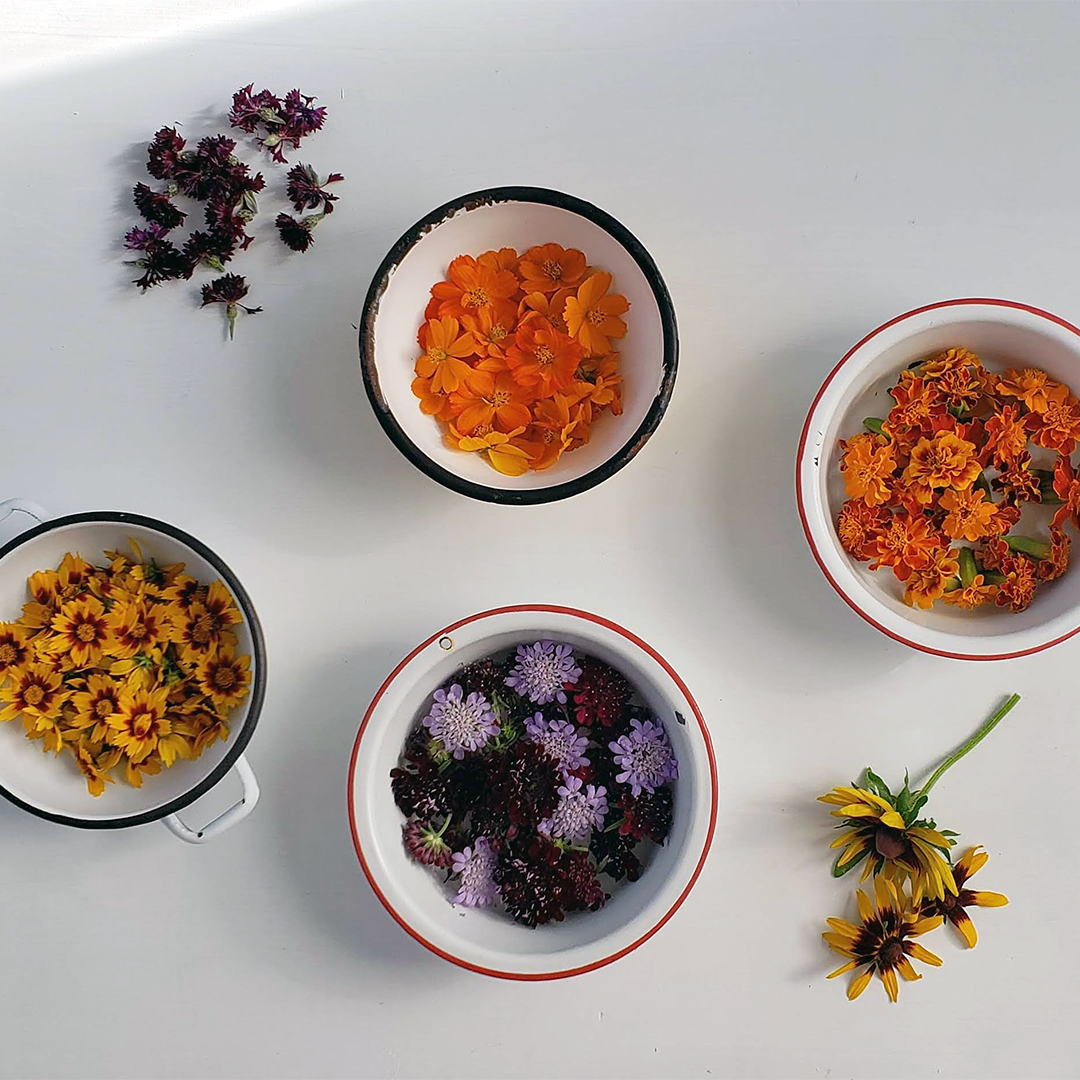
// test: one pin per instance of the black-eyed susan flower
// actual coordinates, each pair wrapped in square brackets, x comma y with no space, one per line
[953,908]
[94,704]
[139,724]
[80,631]
[882,941]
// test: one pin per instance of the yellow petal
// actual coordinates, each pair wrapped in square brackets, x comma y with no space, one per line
[843,838]
[924,926]
[987,899]
[892,819]
[842,926]
[859,984]
[839,943]
[962,921]
[509,464]
[866,909]
[971,862]
[917,952]
[892,988]
[841,970]
[860,810]
[906,970]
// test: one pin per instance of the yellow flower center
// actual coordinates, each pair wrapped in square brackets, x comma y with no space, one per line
[225,678]
[553,270]
[499,398]
[544,356]
[596,316]
[497,333]
[8,654]
[475,298]
[104,708]
[483,430]
[86,632]
[436,355]
[34,695]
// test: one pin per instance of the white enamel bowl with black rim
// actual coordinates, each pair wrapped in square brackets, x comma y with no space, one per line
[52,787]
[490,942]
[1003,334]
[518,217]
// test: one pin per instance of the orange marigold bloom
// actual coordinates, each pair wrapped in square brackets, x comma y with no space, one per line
[1057,562]
[501,448]
[961,387]
[1006,436]
[1021,579]
[443,360]
[1057,427]
[547,268]
[505,408]
[942,461]
[858,527]
[1005,517]
[948,361]
[969,514]
[551,307]
[472,285]
[916,402]
[867,465]
[971,596]
[1067,489]
[592,316]
[926,585]
[492,327]
[907,543]
[1032,386]
[542,358]
[1017,481]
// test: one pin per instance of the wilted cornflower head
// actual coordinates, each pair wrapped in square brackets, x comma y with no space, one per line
[305,189]
[645,757]
[157,206]
[250,110]
[229,289]
[301,117]
[161,261]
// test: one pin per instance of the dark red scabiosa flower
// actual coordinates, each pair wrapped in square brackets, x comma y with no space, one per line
[161,261]
[428,845]
[531,882]
[229,290]
[163,154]
[423,791]
[582,890]
[525,783]
[305,189]
[600,694]
[297,234]
[139,239]
[615,855]
[648,815]
[250,110]
[487,677]
[157,206]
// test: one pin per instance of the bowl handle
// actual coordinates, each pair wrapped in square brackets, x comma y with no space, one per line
[226,820]
[18,515]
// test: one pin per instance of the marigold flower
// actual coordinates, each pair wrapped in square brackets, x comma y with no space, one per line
[1032,386]
[547,268]
[960,387]
[1057,427]
[443,363]
[541,358]
[942,461]
[858,528]
[867,465]
[971,596]
[927,584]
[1006,436]
[968,514]
[917,402]
[592,316]
[1017,482]
[1067,489]
[1021,579]
[882,941]
[472,285]
[948,361]
[907,542]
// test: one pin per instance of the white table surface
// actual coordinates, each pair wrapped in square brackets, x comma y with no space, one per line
[800,174]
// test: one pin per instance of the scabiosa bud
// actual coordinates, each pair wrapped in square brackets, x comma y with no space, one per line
[297,234]
[163,154]
[157,206]
[426,844]
[600,695]
[542,670]
[161,261]
[305,189]
[229,289]
[475,867]
[644,757]
[140,239]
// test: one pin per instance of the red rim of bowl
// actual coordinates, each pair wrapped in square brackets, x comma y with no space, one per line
[537,976]
[850,601]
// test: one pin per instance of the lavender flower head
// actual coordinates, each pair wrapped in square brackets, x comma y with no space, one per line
[542,670]
[461,723]
[578,813]
[645,757]
[476,868]
[560,740]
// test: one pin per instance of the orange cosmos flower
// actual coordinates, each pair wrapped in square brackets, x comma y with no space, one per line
[907,543]
[599,388]
[948,361]
[968,514]
[504,259]
[858,527]
[542,358]
[926,585]
[431,404]
[1057,427]
[592,316]
[492,327]
[547,268]
[917,401]
[1032,386]
[942,461]
[1006,436]
[557,423]
[505,454]
[506,407]
[472,285]
[551,307]
[867,465]
[971,596]
[444,349]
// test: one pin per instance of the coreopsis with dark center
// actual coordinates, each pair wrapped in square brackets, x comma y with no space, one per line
[544,810]
[229,290]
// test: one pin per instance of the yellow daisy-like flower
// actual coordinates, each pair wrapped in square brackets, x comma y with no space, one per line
[80,631]
[205,626]
[35,691]
[94,767]
[14,647]
[139,726]
[225,678]
[137,626]
[882,941]
[952,908]
[94,705]
[877,832]
[134,771]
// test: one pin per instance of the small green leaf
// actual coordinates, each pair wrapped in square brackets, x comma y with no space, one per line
[948,832]
[874,783]
[874,424]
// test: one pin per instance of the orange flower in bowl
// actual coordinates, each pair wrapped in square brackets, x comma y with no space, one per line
[867,465]
[926,585]
[473,285]
[505,408]
[541,358]
[547,268]
[942,461]
[444,350]
[502,449]
[592,316]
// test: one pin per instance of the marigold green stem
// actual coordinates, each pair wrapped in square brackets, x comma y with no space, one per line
[970,745]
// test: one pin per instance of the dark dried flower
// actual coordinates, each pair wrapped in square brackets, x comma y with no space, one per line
[157,206]
[615,855]
[600,694]
[525,783]
[163,154]
[582,890]
[648,815]
[531,882]
[250,110]
[161,261]
[301,118]
[297,234]
[423,791]
[212,249]
[139,239]
[487,677]
[229,289]
[305,189]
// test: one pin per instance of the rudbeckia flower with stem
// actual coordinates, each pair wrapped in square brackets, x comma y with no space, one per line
[886,834]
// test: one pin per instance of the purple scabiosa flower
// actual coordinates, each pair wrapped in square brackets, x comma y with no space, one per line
[157,206]
[426,844]
[305,189]
[580,810]
[250,110]
[140,239]
[560,740]
[645,757]
[461,723]
[297,234]
[475,866]
[229,290]
[163,154]
[542,670]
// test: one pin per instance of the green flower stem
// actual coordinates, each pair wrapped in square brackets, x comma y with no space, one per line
[1038,549]
[970,745]
[967,567]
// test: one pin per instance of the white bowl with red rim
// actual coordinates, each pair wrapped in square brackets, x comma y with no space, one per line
[487,941]
[1003,333]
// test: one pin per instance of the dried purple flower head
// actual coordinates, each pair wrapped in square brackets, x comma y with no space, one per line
[560,740]
[305,189]
[476,868]
[157,206]
[297,234]
[581,887]
[425,791]
[250,110]
[163,154]
[648,815]
[615,855]
[644,757]
[580,811]
[212,249]
[139,239]
[161,261]
[461,723]
[486,676]
[426,844]
[229,289]
[542,671]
